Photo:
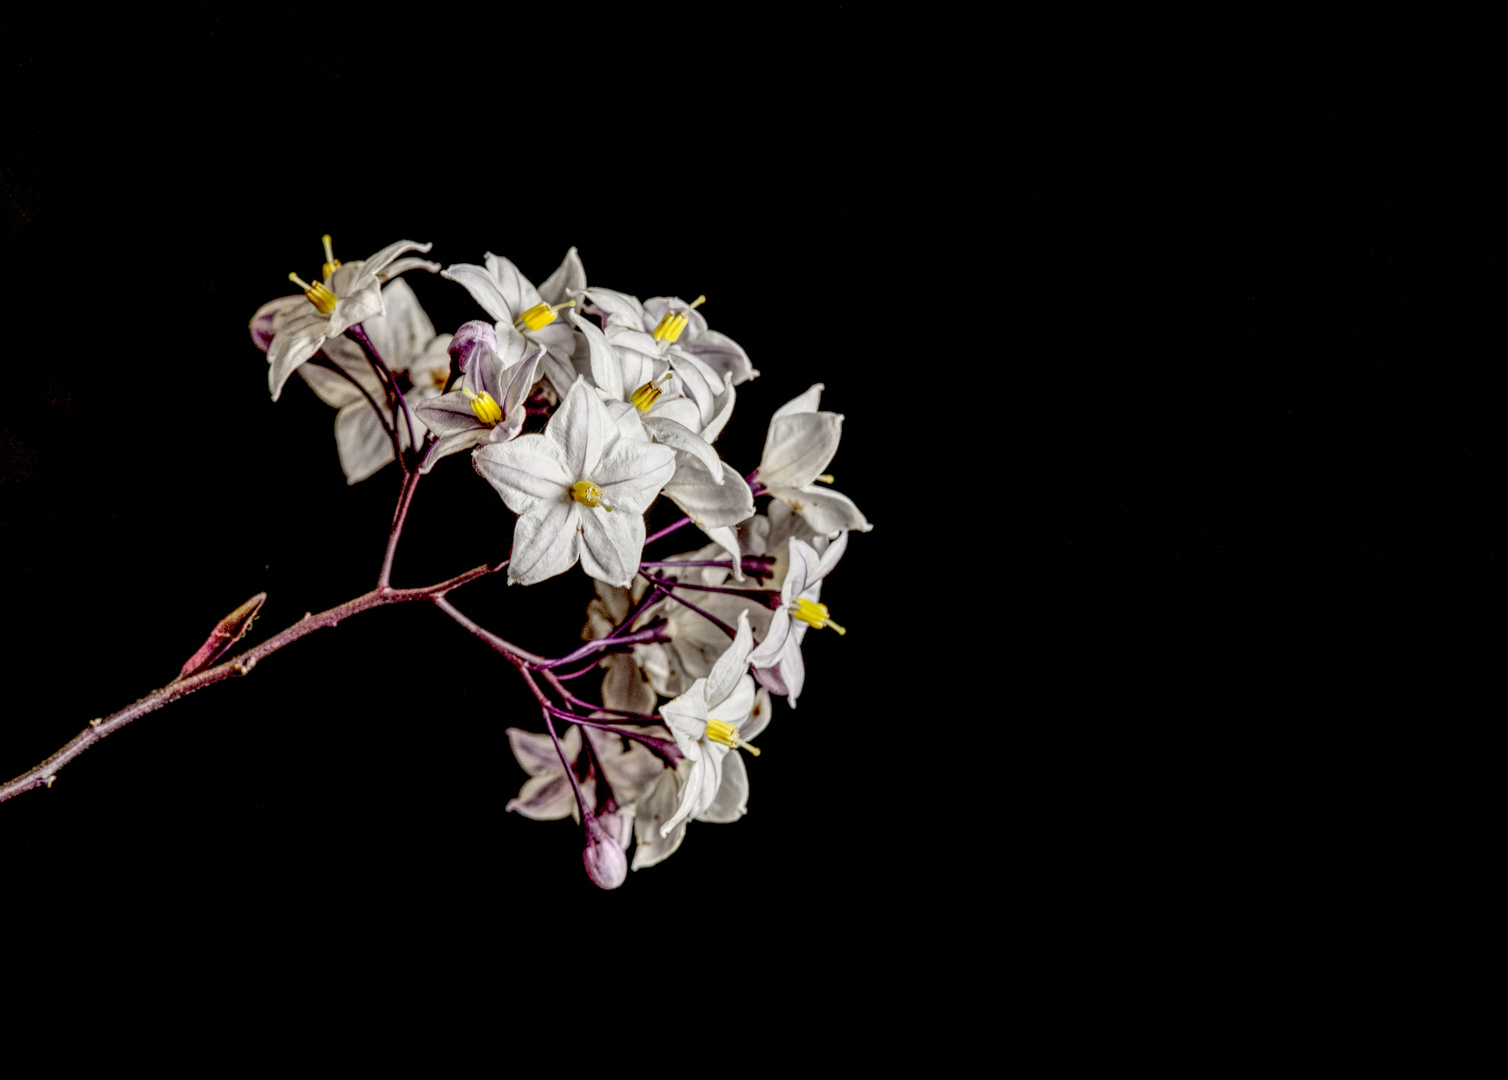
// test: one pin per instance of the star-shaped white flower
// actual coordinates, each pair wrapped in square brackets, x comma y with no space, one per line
[580,491]
[800,443]
[350,293]
[521,310]
[777,661]
[489,404]
[711,719]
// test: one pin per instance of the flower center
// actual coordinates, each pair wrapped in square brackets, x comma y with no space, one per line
[645,397]
[331,262]
[589,494]
[720,731]
[487,410]
[322,298]
[814,614]
[673,322]
[539,316]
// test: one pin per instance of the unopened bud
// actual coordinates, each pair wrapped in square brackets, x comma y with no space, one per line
[226,633]
[468,338]
[605,862]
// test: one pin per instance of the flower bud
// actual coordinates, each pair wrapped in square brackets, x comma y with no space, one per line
[467,339]
[605,862]
[226,633]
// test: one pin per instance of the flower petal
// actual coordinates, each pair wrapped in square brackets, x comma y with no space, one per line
[483,289]
[732,799]
[759,716]
[805,402]
[798,447]
[526,471]
[652,812]
[517,291]
[708,504]
[379,262]
[631,473]
[622,305]
[828,512]
[607,369]
[581,428]
[403,331]
[568,280]
[767,652]
[612,544]
[361,441]
[297,339]
[731,666]
[723,355]
[545,542]
[358,306]
[270,316]
[535,750]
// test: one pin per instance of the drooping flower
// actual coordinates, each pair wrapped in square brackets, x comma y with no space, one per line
[777,661]
[580,491]
[406,340]
[710,720]
[798,446]
[521,310]
[349,293]
[625,768]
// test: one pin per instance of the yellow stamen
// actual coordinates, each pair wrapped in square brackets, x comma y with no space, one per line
[487,410]
[322,298]
[673,322]
[720,731]
[589,494]
[331,262]
[826,478]
[814,614]
[645,397]
[539,316]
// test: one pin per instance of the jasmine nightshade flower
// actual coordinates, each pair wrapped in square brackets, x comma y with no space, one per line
[628,330]
[489,405]
[800,443]
[623,686]
[777,661]
[349,293]
[580,491]
[521,310]
[712,718]
[661,799]
[406,340]
[711,493]
[677,328]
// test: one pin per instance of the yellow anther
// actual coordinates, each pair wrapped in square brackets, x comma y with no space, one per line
[487,410]
[645,397]
[331,262]
[826,478]
[814,614]
[539,316]
[673,322]
[589,494]
[720,731]
[322,298]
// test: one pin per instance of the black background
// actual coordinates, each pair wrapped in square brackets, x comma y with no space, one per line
[1169,412]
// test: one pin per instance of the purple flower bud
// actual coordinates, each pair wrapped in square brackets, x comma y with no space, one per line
[468,338]
[606,864]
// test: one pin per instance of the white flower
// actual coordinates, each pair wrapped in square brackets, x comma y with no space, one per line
[521,310]
[800,443]
[489,404]
[677,329]
[406,340]
[777,661]
[712,718]
[350,293]
[580,491]
[625,768]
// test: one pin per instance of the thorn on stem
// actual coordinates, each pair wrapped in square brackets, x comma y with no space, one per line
[47,780]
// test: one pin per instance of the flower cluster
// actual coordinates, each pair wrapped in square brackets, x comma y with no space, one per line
[623,402]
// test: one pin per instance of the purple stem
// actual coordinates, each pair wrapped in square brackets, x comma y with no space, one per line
[324,361]
[667,530]
[240,664]
[516,656]
[713,619]
[647,634]
[358,334]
